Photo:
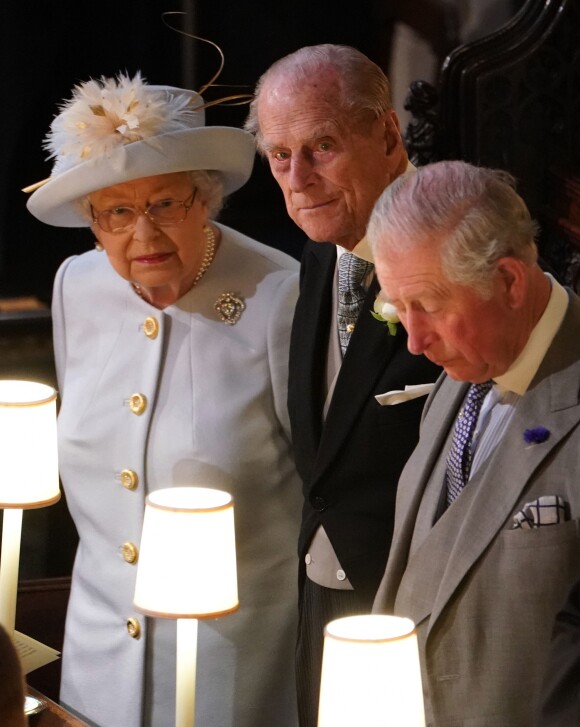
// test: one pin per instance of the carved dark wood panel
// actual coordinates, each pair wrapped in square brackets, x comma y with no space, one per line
[512,100]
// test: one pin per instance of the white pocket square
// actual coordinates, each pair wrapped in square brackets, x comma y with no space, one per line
[397,396]
[546,510]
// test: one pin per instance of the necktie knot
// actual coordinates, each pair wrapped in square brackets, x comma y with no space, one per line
[460,454]
[352,271]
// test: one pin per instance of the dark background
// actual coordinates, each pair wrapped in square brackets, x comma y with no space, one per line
[49,46]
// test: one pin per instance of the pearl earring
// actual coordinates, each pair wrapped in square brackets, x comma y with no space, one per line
[98,246]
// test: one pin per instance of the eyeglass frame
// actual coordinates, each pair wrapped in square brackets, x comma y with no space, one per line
[138,211]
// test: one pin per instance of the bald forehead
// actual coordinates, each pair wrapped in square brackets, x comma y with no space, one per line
[322,84]
[302,103]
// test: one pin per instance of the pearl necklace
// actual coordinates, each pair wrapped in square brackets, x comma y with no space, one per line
[209,254]
[206,261]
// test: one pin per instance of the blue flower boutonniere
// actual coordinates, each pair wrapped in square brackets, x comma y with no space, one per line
[386,313]
[536,435]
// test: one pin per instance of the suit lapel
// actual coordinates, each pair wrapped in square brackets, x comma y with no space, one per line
[490,496]
[417,499]
[369,353]
[309,345]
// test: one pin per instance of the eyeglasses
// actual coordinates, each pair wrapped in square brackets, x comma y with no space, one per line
[164,212]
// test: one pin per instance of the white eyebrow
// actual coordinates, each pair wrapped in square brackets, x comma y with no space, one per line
[326,129]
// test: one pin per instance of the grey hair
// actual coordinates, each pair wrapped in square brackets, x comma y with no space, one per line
[475,211]
[210,188]
[209,185]
[364,88]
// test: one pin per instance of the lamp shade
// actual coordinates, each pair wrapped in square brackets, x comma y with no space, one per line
[370,673]
[28,445]
[187,559]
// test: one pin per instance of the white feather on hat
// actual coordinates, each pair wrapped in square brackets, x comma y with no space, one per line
[116,130]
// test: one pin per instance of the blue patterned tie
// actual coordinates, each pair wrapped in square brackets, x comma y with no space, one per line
[352,270]
[459,457]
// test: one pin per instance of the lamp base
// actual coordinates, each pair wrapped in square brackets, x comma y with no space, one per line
[186,672]
[32,705]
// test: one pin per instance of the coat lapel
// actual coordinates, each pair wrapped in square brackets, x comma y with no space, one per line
[309,344]
[493,494]
[369,353]
[417,499]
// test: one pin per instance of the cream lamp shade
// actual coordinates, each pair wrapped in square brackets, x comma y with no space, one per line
[28,447]
[187,559]
[370,673]
[28,473]
[187,571]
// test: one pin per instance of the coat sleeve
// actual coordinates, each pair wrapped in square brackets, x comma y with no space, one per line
[58,321]
[560,699]
[279,325]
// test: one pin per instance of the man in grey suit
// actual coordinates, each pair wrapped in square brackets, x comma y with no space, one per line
[487,539]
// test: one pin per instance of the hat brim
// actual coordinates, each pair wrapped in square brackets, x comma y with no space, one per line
[219,148]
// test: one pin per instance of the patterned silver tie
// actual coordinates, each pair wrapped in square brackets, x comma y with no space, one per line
[459,457]
[352,270]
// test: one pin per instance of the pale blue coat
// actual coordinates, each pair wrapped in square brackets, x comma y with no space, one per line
[215,416]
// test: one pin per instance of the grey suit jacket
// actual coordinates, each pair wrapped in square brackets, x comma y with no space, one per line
[484,596]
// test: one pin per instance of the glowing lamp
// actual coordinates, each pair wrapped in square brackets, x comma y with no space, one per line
[187,571]
[371,674]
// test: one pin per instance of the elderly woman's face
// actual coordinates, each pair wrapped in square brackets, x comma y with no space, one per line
[162,259]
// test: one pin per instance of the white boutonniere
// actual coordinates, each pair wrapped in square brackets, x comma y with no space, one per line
[386,313]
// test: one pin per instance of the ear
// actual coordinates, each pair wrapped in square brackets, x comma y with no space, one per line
[392,128]
[203,212]
[97,232]
[513,281]
[394,147]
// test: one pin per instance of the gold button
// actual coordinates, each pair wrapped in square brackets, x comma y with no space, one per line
[151,327]
[138,403]
[130,552]
[129,479]
[133,628]
[350,328]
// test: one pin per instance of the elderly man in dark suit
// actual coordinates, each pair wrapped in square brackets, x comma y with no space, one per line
[486,543]
[323,120]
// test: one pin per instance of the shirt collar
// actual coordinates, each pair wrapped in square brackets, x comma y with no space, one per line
[363,250]
[520,374]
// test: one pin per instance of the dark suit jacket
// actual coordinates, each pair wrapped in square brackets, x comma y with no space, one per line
[350,464]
